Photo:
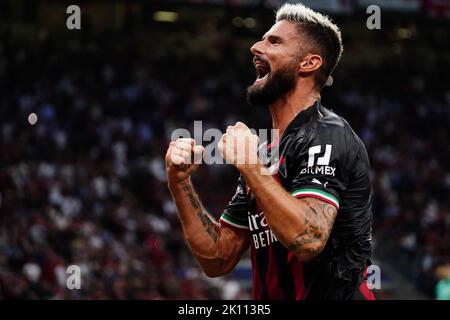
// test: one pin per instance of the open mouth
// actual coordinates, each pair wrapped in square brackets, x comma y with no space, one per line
[262,71]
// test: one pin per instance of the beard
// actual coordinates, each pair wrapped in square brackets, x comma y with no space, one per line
[277,84]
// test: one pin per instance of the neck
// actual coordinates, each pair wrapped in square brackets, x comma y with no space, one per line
[285,109]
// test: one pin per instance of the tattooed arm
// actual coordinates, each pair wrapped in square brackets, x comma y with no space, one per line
[217,249]
[301,225]
[318,222]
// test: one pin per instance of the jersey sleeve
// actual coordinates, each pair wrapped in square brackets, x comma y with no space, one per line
[319,165]
[235,214]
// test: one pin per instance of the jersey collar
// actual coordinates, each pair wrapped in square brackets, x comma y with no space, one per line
[304,116]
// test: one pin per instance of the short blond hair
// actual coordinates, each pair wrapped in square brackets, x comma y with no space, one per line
[325,36]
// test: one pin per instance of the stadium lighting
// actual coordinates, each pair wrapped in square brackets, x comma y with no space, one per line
[249,23]
[404,33]
[241,22]
[165,16]
[238,21]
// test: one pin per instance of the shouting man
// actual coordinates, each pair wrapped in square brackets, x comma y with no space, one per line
[309,226]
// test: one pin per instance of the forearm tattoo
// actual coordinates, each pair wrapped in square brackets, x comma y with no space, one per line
[210,227]
[319,218]
[207,221]
[190,194]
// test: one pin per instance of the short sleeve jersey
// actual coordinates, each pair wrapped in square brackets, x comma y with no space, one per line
[319,156]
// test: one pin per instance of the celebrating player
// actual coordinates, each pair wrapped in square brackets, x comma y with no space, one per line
[308,226]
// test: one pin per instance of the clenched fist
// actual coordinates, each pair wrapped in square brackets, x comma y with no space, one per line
[239,146]
[182,159]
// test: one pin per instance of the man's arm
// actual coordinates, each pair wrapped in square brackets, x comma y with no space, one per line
[301,225]
[217,248]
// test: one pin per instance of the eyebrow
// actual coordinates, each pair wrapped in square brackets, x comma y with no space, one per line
[272,37]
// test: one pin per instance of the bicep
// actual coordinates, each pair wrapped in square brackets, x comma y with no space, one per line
[321,213]
[318,221]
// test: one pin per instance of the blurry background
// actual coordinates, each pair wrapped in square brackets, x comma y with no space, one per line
[86,184]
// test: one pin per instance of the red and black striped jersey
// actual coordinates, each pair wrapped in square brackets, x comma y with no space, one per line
[319,156]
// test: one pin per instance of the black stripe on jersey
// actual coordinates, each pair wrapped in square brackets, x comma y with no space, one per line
[285,278]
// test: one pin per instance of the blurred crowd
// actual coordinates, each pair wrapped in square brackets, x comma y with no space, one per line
[86,184]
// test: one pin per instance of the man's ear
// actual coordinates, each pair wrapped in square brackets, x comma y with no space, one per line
[310,63]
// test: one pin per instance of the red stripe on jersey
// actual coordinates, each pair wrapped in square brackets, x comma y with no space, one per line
[257,285]
[297,273]
[365,291]
[280,163]
[273,286]
[274,291]
[273,144]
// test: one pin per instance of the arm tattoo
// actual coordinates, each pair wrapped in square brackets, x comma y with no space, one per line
[319,217]
[207,221]
[210,227]
[190,194]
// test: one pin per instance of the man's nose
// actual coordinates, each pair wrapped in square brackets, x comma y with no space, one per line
[257,48]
